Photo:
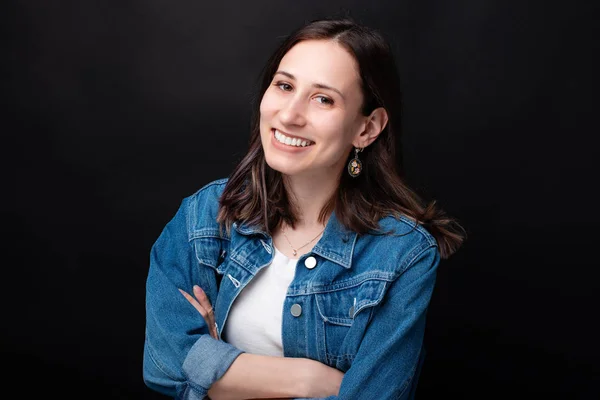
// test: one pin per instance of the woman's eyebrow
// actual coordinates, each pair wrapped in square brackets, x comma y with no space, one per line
[316,85]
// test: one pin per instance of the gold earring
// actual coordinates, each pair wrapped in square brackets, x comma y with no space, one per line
[355,165]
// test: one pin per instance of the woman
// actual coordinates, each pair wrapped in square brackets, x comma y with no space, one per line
[319,260]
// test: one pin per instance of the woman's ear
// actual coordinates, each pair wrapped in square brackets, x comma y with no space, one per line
[376,122]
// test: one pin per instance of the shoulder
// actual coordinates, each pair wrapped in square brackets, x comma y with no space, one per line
[402,240]
[403,226]
[209,192]
[202,208]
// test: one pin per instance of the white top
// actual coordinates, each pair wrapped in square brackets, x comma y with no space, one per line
[255,318]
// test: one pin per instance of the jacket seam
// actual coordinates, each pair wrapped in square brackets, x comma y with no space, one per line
[237,262]
[199,389]
[351,283]
[424,232]
[193,200]
[216,182]
[414,255]
[206,233]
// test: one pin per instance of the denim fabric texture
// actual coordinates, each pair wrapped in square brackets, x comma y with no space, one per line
[362,308]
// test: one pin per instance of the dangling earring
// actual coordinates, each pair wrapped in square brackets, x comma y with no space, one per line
[355,165]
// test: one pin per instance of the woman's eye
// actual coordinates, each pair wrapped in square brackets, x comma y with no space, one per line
[284,86]
[325,100]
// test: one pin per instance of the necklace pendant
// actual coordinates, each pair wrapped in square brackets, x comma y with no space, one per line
[295,252]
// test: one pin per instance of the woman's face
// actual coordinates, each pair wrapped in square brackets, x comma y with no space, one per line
[313,107]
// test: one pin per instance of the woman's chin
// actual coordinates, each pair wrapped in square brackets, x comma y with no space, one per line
[284,168]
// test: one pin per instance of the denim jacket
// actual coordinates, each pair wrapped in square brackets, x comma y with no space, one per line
[357,303]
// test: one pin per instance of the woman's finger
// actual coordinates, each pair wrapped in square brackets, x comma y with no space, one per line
[208,316]
[193,302]
[205,303]
[203,299]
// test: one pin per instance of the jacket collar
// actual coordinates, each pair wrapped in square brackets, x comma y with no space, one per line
[336,244]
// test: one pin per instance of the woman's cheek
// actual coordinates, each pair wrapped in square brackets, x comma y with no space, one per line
[268,103]
[330,124]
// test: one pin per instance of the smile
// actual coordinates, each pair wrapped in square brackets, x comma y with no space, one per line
[291,140]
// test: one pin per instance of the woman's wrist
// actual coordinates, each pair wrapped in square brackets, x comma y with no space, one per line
[318,380]
[306,373]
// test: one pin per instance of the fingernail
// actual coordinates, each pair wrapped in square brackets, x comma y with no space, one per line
[196,287]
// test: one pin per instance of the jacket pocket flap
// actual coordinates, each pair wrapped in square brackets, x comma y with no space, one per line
[341,306]
[209,252]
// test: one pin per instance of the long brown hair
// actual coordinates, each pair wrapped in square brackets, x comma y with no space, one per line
[255,193]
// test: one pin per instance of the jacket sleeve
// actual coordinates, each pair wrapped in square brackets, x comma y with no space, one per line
[388,360]
[181,359]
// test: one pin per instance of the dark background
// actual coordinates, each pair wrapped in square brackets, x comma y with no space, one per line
[113,111]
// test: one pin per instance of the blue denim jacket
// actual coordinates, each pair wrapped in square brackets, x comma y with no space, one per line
[360,309]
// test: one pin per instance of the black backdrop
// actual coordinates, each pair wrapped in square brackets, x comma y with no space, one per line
[114,111]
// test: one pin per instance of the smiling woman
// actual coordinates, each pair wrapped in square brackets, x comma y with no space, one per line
[296,108]
[318,258]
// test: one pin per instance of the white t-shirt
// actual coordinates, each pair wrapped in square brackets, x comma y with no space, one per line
[255,318]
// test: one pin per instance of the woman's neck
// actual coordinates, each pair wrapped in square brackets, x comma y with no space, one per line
[310,194]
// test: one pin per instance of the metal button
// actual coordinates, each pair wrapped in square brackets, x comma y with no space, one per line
[310,262]
[296,310]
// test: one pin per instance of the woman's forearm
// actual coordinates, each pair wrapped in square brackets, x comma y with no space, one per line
[253,376]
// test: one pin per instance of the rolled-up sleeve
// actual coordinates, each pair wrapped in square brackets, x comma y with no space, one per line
[181,359]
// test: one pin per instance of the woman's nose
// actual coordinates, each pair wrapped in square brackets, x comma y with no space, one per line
[293,112]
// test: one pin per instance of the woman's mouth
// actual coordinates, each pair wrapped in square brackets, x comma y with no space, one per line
[290,140]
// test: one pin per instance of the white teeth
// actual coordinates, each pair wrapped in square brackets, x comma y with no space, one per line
[291,141]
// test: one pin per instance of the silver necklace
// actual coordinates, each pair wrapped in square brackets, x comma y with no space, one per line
[295,251]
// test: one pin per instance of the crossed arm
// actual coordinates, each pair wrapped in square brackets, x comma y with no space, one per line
[254,376]
[182,357]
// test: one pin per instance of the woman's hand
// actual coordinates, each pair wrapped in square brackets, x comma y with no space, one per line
[321,380]
[202,304]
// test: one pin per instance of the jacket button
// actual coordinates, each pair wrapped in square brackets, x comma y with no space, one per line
[296,310]
[310,262]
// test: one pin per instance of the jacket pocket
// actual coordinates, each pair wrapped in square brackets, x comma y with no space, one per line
[345,312]
[210,251]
